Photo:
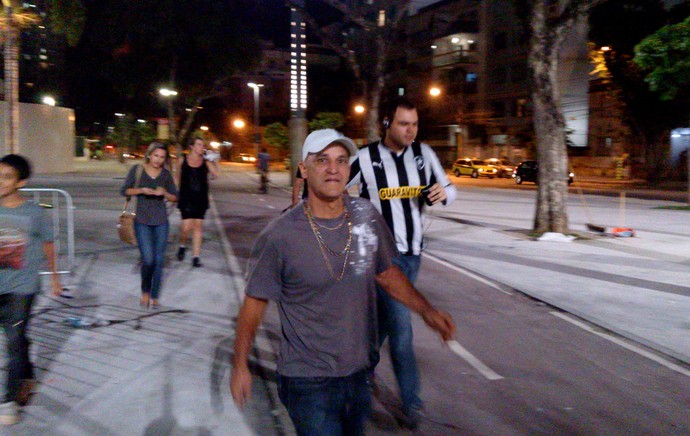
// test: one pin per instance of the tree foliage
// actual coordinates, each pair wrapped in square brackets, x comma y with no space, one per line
[67,18]
[649,117]
[278,135]
[665,57]
[327,120]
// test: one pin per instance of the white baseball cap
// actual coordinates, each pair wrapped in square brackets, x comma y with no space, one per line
[318,140]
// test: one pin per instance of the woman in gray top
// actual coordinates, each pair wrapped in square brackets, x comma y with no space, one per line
[151,225]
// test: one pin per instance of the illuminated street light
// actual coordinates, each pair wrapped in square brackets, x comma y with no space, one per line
[257,136]
[204,128]
[168,94]
[606,48]
[50,101]
[238,123]
[434,91]
[359,109]
[165,92]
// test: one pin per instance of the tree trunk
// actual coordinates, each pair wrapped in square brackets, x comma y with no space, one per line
[11,53]
[549,124]
[373,125]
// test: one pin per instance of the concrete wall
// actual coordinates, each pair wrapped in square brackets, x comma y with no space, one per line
[46,136]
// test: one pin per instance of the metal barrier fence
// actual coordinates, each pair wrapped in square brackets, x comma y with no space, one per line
[59,204]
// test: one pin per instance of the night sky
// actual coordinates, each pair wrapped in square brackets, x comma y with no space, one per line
[128,46]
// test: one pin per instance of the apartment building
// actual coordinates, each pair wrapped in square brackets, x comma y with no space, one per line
[475,52]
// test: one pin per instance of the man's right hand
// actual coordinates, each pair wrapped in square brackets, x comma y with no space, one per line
[440,321]
[241,384]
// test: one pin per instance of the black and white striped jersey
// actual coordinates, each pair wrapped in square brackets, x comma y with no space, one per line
[393,183]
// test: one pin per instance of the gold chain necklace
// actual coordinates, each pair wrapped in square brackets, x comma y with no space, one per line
[342,221]
[322,243]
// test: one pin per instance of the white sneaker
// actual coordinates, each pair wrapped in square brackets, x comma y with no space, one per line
[9,413]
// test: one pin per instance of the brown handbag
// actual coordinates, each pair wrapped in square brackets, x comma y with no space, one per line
[125,225]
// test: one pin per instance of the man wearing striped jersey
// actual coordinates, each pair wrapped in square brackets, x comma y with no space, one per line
[392,173]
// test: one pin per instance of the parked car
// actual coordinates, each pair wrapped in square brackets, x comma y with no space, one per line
[246,158]
[504,167]
[474,168]
[528,171]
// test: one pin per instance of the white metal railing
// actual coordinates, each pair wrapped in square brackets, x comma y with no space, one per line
[61,208]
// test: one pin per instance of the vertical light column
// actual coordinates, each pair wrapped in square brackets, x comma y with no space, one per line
[298,84]
[298,64]
[257,129]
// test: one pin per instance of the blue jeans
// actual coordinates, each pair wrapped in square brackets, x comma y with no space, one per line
[395,324]
[328,406]
[14,317]
[152,241]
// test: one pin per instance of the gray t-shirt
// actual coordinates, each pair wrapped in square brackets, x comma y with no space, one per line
[327,324]
[26,226]
[150,208]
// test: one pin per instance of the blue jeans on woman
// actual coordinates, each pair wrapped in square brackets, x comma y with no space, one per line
[152,241]
[327,406]
[14,317]
[395,324]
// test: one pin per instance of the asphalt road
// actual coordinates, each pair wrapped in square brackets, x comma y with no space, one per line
[537,374]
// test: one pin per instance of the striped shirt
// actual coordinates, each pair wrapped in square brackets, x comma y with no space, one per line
[393,183]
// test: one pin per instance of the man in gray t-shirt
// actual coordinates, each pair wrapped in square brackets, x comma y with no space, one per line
[321,262]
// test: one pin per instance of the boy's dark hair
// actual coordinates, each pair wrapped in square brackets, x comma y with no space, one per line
[392,107]
[19,163]
[194,139]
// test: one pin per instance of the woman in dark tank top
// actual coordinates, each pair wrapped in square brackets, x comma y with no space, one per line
[192,177]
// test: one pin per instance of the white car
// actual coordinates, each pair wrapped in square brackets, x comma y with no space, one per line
[246,158]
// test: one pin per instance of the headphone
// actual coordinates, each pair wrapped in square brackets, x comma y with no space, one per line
[386,123]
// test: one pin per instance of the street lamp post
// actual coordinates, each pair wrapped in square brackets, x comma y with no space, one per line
[257,134]
[168,94]
[359,114]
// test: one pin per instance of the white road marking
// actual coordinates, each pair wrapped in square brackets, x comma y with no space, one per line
[633,348]
[477,364]
[466,272]
[237,275]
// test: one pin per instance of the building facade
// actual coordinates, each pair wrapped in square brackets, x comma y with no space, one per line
[476,53]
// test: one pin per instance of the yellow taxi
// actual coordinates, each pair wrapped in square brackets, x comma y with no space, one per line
[474,168]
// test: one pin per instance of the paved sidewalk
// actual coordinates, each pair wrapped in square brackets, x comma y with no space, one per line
[162,371]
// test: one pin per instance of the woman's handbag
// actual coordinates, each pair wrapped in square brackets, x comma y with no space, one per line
[125,225]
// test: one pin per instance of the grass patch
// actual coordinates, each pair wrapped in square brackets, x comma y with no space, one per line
[686,207]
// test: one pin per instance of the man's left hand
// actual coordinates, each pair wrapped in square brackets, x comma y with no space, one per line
[437,193]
